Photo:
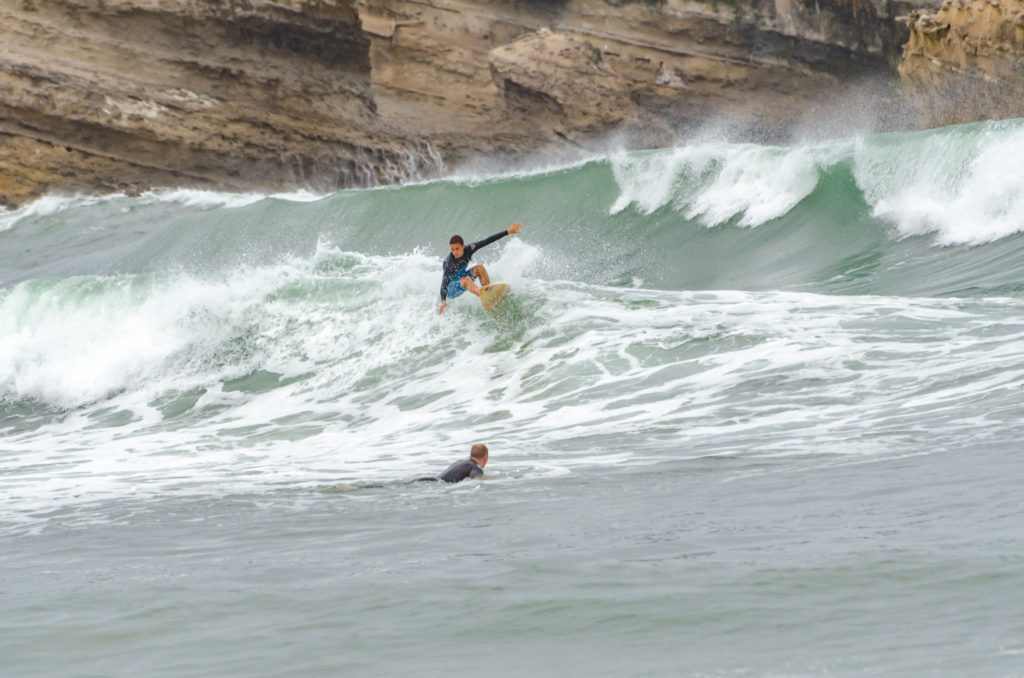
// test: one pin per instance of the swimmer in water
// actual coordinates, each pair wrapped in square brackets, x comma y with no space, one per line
[471,468]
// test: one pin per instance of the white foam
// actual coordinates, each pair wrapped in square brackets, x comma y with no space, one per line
[392,389]
[964,185]
[299,196]
[961,184]
[202,198]
[756,184]
[482,171]
[81,340]
[53,204]
[48,206]
[115,345]
[213,199]
[648,180]
[716,183]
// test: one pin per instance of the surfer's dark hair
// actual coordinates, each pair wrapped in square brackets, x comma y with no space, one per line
[479,451]
[456,240]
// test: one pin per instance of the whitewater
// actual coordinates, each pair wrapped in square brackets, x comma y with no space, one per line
[752,410]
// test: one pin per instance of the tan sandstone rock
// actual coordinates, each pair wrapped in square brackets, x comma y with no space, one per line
[254,95]
[965,62]
[102,95]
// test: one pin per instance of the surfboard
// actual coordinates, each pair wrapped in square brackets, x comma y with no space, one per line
[492,294]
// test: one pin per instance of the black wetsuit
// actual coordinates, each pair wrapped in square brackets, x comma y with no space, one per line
[453,265]
[457,472]
[460,470]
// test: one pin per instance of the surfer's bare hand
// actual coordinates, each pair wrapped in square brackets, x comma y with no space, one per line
[514,228]
[441,310]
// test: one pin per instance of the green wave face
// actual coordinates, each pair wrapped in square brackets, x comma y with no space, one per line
[929,213]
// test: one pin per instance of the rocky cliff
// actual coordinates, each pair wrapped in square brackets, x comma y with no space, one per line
[101,95]
[127,94]
[965,62]
[567,70]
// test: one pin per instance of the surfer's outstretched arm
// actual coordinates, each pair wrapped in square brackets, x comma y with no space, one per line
[514,228]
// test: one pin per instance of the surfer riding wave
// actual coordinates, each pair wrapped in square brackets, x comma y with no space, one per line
[458,276]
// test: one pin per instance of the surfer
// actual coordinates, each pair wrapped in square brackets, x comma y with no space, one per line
[471,468]
[458,277]
[464,468]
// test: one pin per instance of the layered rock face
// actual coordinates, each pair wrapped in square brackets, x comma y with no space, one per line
[101,95]
[965,62]
[572,69]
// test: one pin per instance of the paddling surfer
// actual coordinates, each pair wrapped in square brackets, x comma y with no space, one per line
[458,277]
[471,468]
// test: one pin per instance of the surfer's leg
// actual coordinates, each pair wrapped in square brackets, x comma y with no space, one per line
[468,283]
[481,272]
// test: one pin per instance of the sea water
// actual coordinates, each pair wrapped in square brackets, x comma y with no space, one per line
[752,411]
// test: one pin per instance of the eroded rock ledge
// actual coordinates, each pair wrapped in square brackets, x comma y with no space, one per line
[567,70]
[101,95]
[126,94]
[965,62]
